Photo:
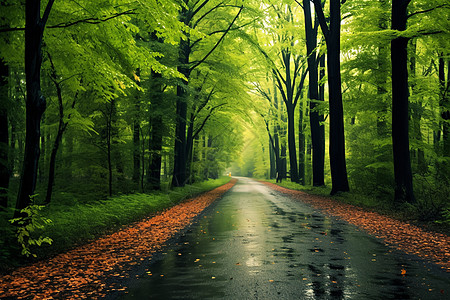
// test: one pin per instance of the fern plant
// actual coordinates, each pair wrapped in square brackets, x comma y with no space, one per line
[30,220]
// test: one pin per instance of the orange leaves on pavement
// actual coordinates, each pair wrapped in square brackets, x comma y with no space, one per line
[81,273]
[403,236]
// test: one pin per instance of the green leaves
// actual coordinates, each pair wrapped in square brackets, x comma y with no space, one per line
[31,221]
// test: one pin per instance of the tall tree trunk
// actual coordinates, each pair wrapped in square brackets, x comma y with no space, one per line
[136,137]
[400,138]
[179,168]
[109,125]
[52,163]
[321,164]
[156,136]
[4,138]
[444,104]
[318,142]
[136,151]
[189,147]
[272,161]
[337,139]
[61,128]
[291,145]
[35,102]
[301,145]
[12,149]
[68,160]
[308,177]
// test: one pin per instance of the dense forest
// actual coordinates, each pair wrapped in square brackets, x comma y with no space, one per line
[112,97]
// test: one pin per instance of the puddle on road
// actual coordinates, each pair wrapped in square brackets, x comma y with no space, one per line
[255,244]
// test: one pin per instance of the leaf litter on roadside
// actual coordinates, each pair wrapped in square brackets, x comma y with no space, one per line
[82,272]
[400,235]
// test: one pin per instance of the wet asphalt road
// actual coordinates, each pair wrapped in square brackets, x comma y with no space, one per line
[255,243]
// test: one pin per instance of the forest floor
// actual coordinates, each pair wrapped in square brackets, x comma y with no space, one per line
[84,272]
[401,235]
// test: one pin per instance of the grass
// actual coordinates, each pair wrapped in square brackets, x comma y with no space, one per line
[77,223]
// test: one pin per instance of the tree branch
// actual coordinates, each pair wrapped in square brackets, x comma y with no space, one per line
[262,92]
[218,42]
[198,8]
[221,31]
[300,86]
[92,20]
[204,102]
[280,87]
[48,8]
[9,29]
[322,21]
[205,14]
[206,119]
[426,10]
[299,4]
[272,143]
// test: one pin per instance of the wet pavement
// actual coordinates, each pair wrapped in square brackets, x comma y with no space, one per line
[256,243]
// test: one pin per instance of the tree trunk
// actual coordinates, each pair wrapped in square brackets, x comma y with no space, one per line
[35,102]
[179,168]
[61,128]
[68,160]
[308,178]
[318,141]
[291,145]
[400,138]
[156,137]
[321,153]
[52,163]
[301,146]
[189,147]
[337,139]
[109,124]
[136,151]
[12,149]
[444,104]
[136,138]
[272,161]
[4,139]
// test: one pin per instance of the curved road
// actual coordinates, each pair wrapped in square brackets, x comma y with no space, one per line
[256,243]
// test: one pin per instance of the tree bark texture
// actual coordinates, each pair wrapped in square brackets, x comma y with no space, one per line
[137,137]
[337,139]
[4,137]
[301,146]
[400,117]
[444,104]
[291,145]
[156,135]
[179,168]
[318,141]
[35,101]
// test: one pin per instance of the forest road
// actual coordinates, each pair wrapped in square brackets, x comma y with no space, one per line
[256,243]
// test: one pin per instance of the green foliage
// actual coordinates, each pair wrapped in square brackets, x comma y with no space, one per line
[31,221]
[445,217]
[77,223]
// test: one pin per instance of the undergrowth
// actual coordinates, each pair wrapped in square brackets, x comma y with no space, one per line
[77,222]
[432,207]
